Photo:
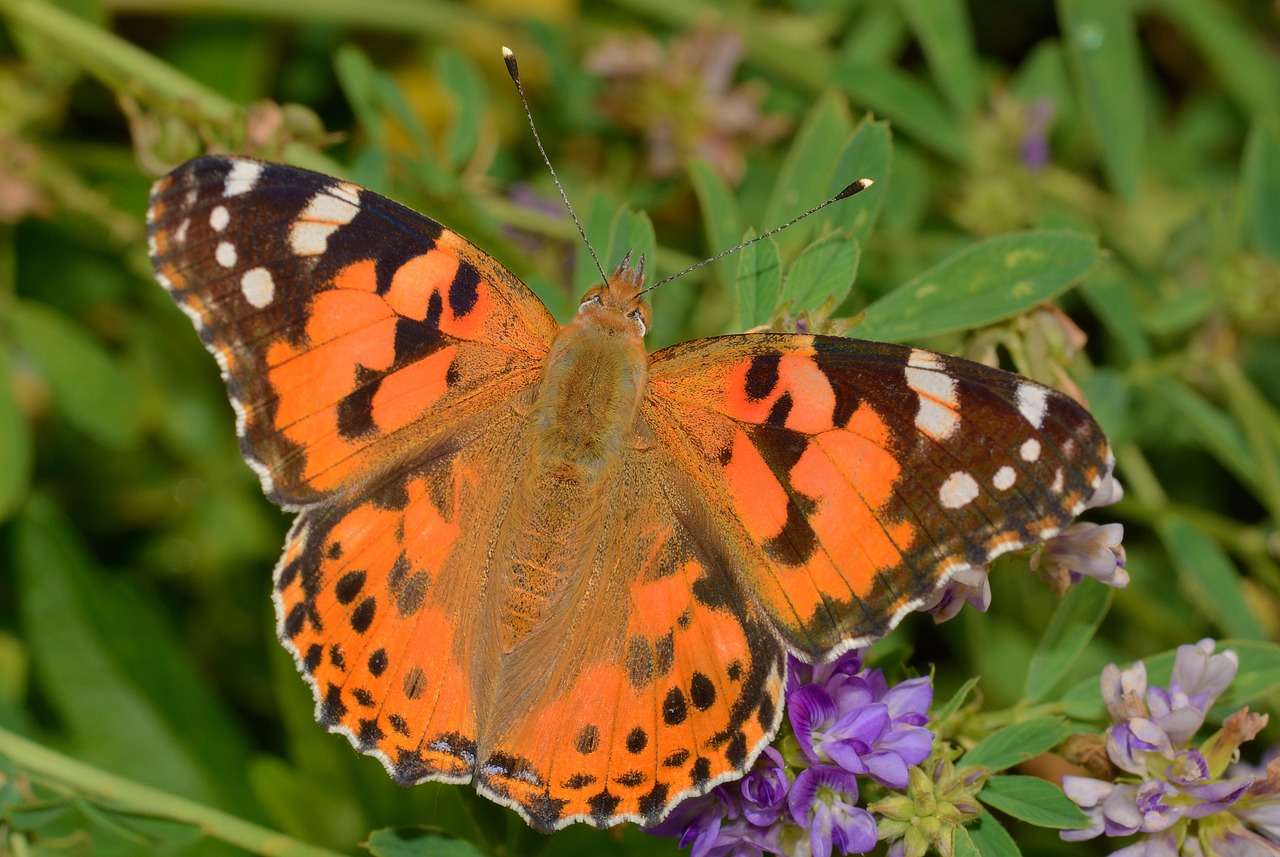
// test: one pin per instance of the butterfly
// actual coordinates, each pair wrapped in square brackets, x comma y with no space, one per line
[541,560]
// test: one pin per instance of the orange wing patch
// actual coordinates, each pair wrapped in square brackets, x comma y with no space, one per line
[351,330]
[799,443]
[665,682]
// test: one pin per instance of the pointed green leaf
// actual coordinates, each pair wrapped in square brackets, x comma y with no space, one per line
[1208,571]
[1102,46]
[808,167]
[1261,182]
[911,106]
[1074,622]
[991,838]
[826,269]
[942,714]
[470,101]
[1241,60]
[982,284]
[1017,743]
[867,155]
[946,36]
[1034,801]
[631,232]
[721,219]
[759,282]
[111,722]
[90,388]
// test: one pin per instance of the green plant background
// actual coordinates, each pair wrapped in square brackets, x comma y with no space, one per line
[136,643]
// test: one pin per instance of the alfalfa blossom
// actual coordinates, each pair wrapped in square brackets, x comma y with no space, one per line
[804,795]
[1180,796]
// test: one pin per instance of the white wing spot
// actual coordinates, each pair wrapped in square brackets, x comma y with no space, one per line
[335,206]
[1033,401]
[936,391]
[1004,478]
[1058,481]
[242,178]
[959,490]
[180,234]
[219,218]
[193,196]
[1030,450]
[226,254]
[258,287]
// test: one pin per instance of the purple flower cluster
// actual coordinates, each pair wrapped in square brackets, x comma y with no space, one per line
[845,722]
[1175,793]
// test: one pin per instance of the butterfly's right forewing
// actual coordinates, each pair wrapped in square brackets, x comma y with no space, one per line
[856,477]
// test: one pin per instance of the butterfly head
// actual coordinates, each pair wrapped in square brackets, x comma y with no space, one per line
[617,303]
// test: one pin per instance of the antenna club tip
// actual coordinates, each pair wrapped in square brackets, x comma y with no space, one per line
[855,187]
[509,57]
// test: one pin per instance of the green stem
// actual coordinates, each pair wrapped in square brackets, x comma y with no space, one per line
[99,785]
[117,63]
[417,17]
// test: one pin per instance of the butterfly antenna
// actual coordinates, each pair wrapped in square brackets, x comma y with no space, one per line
[509,57]
[859,185]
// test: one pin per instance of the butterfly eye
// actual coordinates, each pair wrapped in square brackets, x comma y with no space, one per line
[638,317]
[591,298]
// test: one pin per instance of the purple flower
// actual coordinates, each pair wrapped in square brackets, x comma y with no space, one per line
[1181,799]
[823,799]
[764,790]
[1035,137]
[857,723]
[847,721]
[1084,550]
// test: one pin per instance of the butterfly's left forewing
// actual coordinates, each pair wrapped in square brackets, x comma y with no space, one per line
[855,477]
[351,330]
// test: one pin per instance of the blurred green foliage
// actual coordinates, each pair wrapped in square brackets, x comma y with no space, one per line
[1129,149]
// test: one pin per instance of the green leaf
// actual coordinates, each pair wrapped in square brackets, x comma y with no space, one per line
[1109,293]
[631,232]
[759,282]
[965,846]
[33,816]
[1102,47]
[1206,569]
[721,218]
[957,699]
[946,37]
[982,284]
[808,167]
[1018,742]
[1073,625]
[1034,801]
[1213,429]
[89,386]
[470,101]
[417,841]
[1260,178]
[1233,49]
[110,721]
[157,833]
[301,805]
[15,444]
[991,838]
[908,104]
[825,269]
[867,155]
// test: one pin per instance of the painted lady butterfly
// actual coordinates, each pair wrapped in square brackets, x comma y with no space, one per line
[541,560]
